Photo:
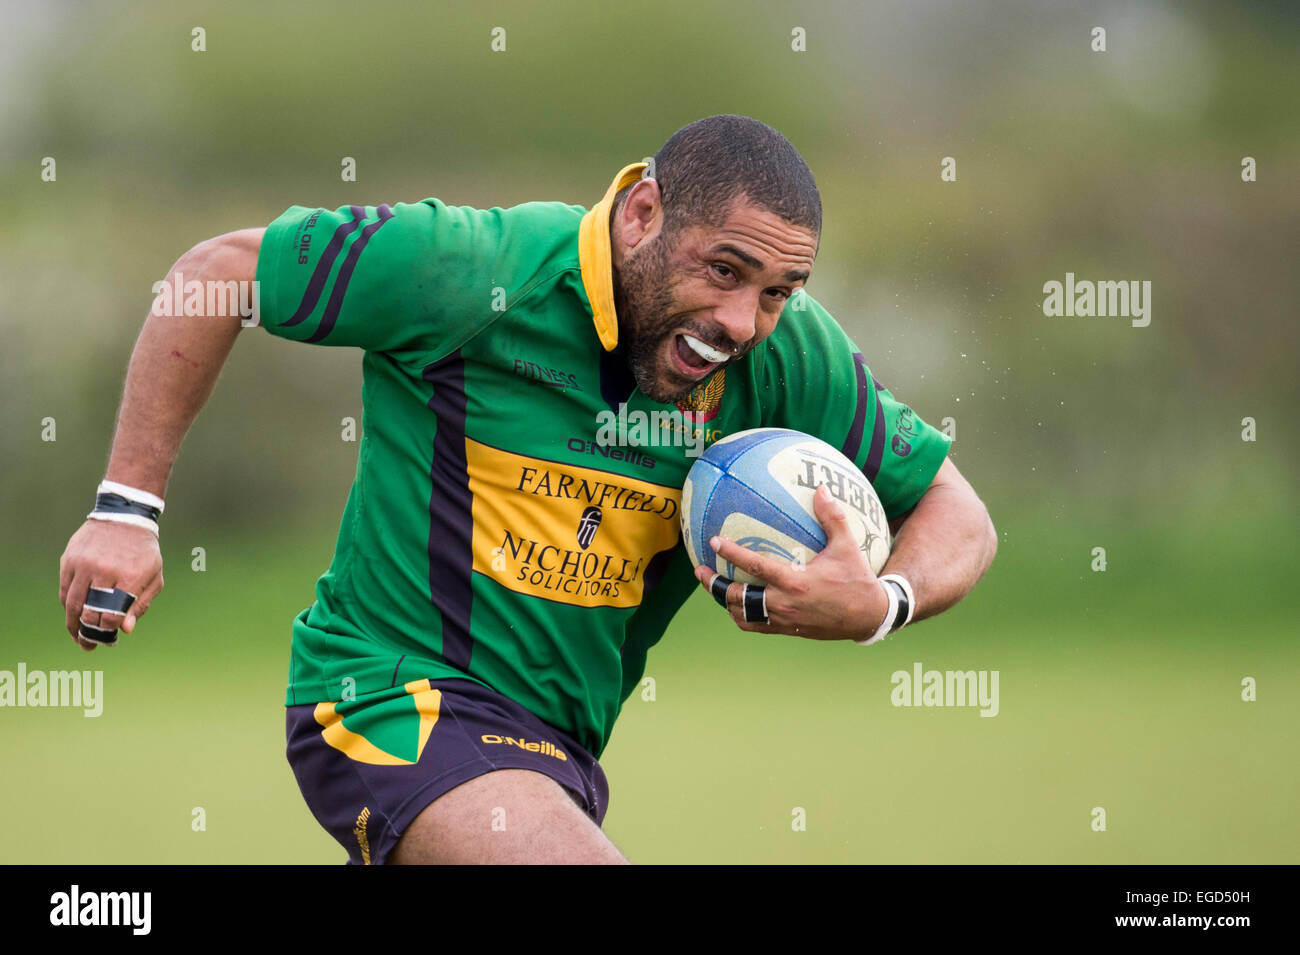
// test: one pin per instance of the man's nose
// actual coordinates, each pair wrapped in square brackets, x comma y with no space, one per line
[738,317]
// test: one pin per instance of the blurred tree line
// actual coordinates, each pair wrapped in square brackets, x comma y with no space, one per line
[1117,165]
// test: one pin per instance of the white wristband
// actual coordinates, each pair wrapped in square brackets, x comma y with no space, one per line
[885,624]
[135,520]
[109,506]
[131,494]
[908,591]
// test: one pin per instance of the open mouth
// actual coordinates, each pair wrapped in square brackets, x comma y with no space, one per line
[693,358]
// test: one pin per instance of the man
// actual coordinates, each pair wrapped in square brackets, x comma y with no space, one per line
[500,574]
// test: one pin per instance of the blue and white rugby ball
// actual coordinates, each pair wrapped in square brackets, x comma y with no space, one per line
[756,488]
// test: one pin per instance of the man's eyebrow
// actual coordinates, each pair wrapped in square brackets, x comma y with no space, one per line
[745,257]
[794,275]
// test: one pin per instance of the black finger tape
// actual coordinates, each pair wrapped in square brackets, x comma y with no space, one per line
[107,638]
[755,604]
[108,601]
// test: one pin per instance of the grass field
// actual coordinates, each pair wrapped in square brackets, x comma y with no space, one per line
[1119,690]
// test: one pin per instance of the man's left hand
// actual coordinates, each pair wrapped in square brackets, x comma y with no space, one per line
[834,596]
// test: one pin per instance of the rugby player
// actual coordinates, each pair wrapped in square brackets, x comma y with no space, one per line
[500,574]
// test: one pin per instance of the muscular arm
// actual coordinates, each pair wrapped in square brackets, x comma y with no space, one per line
[944,545]
[173,368]
[175,365]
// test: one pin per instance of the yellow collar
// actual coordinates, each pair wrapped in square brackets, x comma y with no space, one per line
[595,261]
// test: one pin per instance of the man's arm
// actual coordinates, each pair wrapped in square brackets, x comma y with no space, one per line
[173,369]
[942,546]
[175,365]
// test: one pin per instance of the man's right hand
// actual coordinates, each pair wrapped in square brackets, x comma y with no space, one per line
[107,554]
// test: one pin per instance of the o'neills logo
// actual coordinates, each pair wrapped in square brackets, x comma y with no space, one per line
[545,747]
[702,403]
[565,532]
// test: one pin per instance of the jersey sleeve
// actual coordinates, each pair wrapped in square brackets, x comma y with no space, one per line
[412,277]
[819,383]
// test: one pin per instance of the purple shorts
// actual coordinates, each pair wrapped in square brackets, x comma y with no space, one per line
[367,767]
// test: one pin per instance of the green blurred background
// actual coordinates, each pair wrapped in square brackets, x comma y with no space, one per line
[1119,689]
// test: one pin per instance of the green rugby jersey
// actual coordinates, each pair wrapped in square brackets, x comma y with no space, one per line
[488,533]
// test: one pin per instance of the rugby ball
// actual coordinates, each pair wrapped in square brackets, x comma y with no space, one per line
[756,488]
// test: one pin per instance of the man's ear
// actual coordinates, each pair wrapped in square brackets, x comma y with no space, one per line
[640,217]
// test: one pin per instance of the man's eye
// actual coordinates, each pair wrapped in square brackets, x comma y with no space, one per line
[779,294]
[723,271]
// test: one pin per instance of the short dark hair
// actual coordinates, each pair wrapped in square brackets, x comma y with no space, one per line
[706,166]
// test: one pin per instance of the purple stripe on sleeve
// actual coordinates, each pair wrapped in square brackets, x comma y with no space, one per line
[322,272]
[340,289]
[877,451]
[853,443]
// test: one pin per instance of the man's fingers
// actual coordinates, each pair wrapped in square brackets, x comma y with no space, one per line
[714,584]
[73,601]
[65,579]
[98,606]
[727,593]
[74,595]
[95,611]
[72,609]
[738,594]
[112,603]
[142,602]
[834,520]
[732,593]
[756,565]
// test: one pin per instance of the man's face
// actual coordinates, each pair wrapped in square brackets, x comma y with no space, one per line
[689,303]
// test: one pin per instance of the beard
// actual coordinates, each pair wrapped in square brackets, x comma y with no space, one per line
[643,300]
